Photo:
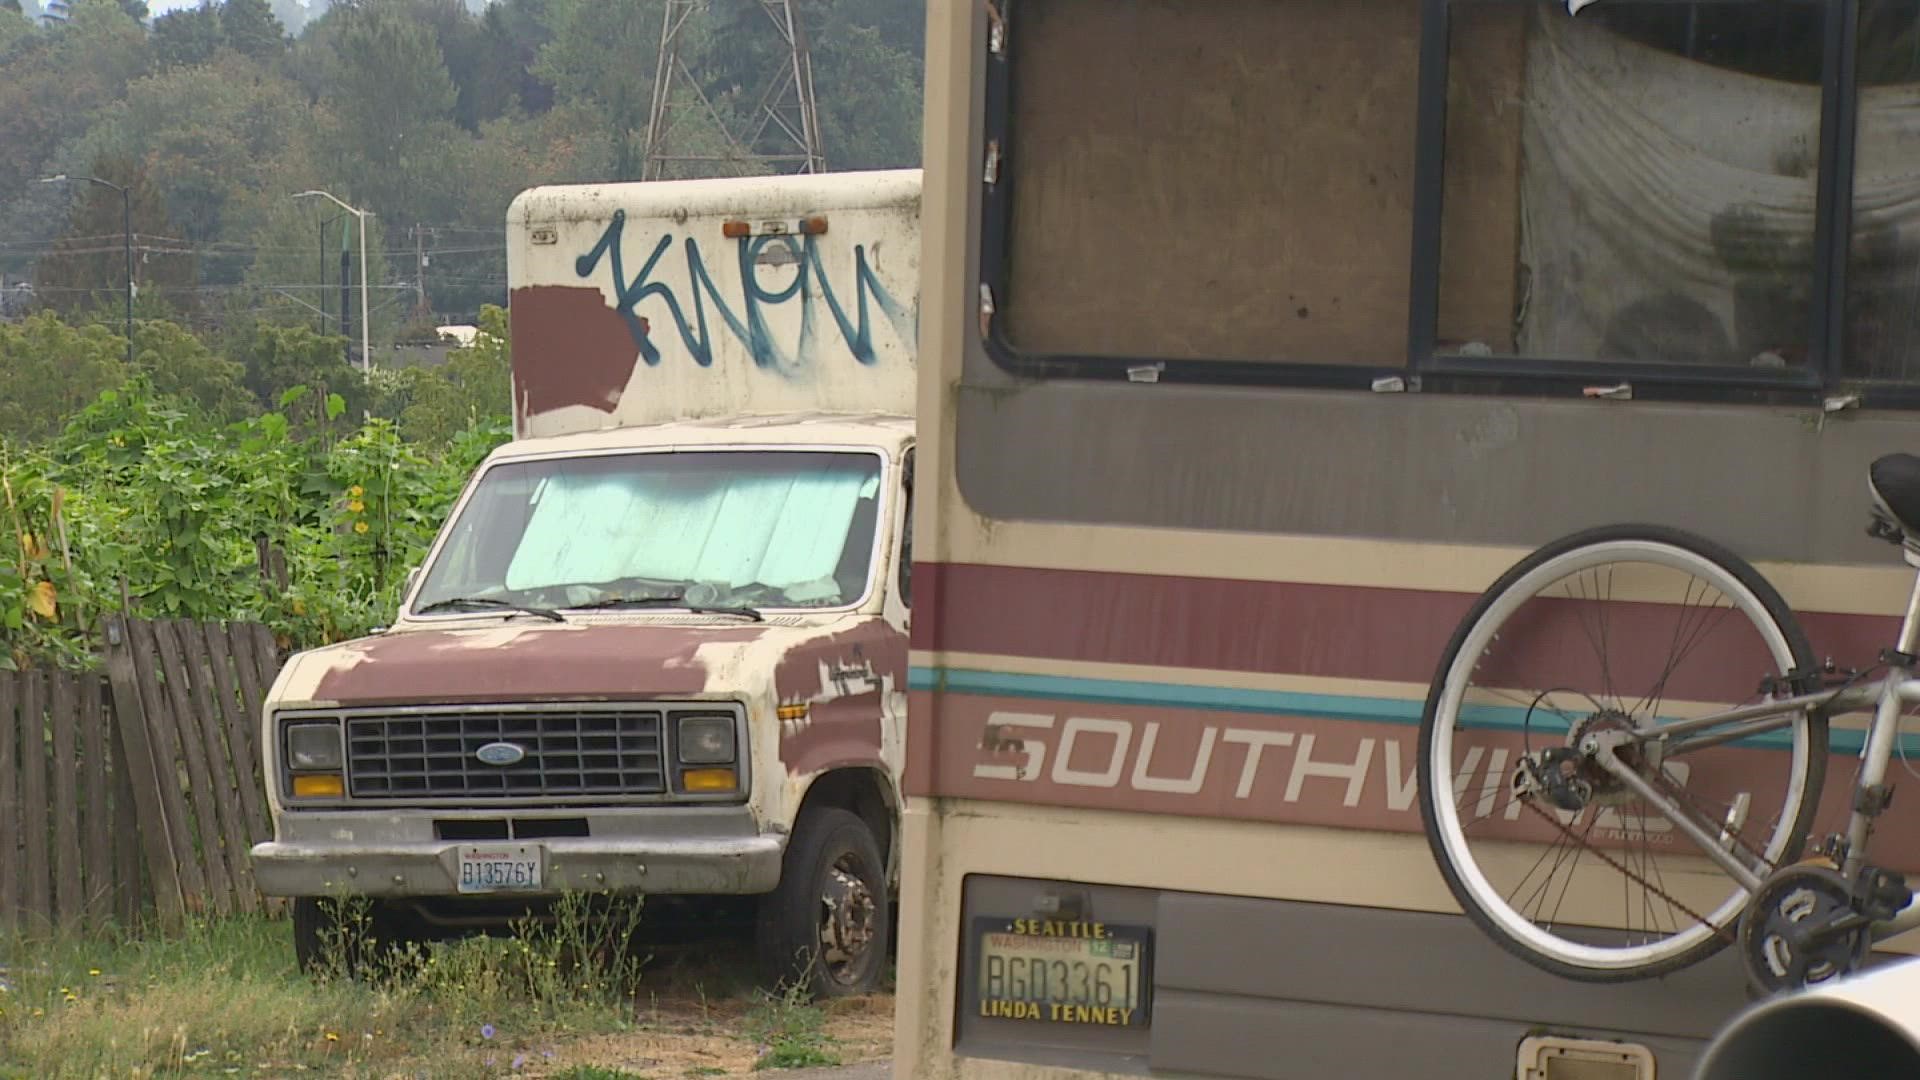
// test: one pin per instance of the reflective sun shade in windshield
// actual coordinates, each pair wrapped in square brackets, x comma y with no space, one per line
[761,528]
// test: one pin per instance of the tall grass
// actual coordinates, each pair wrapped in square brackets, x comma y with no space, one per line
[225,998]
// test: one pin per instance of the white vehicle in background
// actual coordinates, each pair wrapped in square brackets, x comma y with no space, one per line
[659,646]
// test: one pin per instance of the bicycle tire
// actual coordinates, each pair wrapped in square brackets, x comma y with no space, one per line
[1811,780]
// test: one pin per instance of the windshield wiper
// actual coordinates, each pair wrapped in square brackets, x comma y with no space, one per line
[613,602]
[489,602]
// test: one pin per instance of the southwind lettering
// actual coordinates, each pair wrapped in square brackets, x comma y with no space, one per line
[1338,772]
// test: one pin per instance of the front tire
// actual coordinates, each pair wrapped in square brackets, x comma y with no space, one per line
[825,928]
[1501,635]
[346,938]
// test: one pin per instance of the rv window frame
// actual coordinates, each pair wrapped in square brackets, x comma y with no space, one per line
[1420,369]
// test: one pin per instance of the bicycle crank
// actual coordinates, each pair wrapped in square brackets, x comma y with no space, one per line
[1801,929]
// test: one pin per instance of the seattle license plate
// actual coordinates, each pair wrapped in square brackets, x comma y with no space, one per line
[1059,971]
[487,868]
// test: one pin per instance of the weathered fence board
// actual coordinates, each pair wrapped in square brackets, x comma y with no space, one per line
[129,865]
[94,740]
[141,781]
[155,713]
[222,759]
[64,713]
[64,817]
[138,750]
[11,854]
[241,721]
[195,755]
[193,691]
[33,793]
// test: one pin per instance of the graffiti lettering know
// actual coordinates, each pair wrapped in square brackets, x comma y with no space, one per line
[747,320]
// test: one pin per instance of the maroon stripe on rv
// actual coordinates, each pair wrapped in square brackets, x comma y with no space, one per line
[1336,631]
[1241,766]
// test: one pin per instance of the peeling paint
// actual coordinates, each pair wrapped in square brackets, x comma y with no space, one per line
[643,310]
[813,344]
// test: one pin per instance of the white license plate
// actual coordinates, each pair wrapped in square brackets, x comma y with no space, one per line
[485,868]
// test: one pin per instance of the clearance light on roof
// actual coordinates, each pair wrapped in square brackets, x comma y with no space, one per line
[740,229]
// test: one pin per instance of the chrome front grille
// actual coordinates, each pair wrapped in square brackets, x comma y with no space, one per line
[415,754]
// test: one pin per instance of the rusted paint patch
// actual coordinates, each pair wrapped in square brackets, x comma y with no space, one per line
[845,678]
[569,348]
[546,663]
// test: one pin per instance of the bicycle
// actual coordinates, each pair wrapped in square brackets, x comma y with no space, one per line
[1630,782]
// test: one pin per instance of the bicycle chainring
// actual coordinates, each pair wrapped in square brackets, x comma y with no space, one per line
[1792,903]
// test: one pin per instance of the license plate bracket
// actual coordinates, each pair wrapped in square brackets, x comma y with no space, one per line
[1058,971]
[497,868]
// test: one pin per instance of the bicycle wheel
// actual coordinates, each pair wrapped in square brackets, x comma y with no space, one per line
[1593,634]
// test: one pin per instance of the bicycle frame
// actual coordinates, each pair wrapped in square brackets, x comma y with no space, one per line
[1897,688]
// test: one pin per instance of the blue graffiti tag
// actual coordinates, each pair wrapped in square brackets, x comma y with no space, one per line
[751,329]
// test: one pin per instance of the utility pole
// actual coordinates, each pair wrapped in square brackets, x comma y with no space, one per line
[419,270]
[366,351]
[126,236]
[322,328]
[784,128]
[346,305]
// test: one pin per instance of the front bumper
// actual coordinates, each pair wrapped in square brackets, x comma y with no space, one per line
[389,854]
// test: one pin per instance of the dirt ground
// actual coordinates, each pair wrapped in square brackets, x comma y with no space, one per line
[684,1036]
[700,1017]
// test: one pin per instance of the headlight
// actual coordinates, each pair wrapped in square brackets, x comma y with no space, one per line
[706,740]
[313,747]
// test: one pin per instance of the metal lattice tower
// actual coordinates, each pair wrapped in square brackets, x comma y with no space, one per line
[783,130]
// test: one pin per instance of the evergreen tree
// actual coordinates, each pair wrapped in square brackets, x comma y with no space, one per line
[251,29]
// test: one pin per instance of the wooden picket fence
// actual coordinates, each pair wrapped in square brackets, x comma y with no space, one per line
[140,785]
[68,835]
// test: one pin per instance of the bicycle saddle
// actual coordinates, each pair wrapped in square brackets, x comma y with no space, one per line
[1894,480]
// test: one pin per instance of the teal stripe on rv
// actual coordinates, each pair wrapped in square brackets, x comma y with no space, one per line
[1279,702]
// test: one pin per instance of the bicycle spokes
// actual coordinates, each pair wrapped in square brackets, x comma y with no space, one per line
[1593,864]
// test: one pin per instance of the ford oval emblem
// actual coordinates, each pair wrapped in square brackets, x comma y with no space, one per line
[500,753]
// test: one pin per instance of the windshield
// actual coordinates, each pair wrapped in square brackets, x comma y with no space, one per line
[750,528]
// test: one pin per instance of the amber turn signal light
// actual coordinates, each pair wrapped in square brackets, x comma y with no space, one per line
[708,780]
[319,786]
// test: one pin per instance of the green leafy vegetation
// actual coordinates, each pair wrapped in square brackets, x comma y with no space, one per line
[236,462]
[174,490]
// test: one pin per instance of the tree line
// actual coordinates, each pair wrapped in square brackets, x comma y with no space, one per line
[426,112]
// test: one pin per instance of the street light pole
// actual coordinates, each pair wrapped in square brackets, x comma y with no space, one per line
[126,237]
[366,353]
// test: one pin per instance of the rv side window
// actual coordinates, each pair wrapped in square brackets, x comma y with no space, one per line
[1882,329]
[1493,194]
[1240,142]
[1636,184]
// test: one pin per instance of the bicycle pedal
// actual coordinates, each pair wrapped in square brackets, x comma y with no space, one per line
[1879,895]
[1888,894]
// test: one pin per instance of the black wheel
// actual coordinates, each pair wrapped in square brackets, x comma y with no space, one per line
[350,938]
[825,927]
[1550,854]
